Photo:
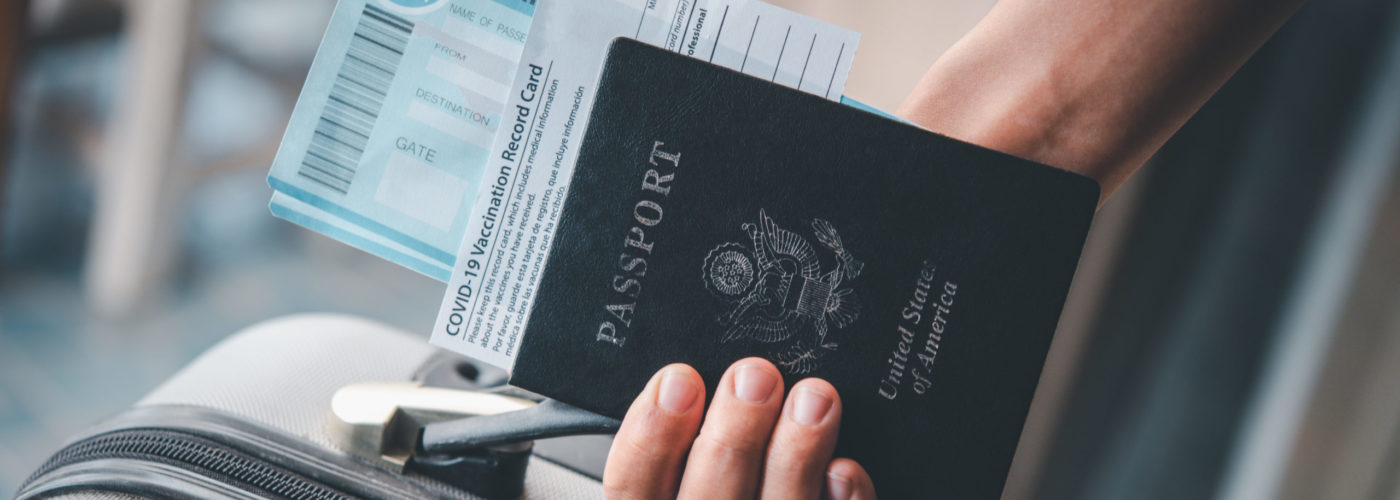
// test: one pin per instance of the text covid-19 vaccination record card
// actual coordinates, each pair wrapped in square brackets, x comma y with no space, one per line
[513,221]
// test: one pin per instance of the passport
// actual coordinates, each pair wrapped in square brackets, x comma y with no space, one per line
[714,216]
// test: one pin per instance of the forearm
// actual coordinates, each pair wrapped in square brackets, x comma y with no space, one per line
[1091,86]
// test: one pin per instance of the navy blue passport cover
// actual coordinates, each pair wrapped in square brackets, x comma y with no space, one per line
[714,216]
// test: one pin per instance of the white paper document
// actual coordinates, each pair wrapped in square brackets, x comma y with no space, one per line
[508,234]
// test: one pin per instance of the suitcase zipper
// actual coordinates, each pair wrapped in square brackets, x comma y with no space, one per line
[193,453]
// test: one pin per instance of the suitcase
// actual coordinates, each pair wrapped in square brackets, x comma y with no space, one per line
[252,417]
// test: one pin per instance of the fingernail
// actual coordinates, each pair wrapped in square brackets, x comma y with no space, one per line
[677,392]
[809,407]
[837,487]
[753,384]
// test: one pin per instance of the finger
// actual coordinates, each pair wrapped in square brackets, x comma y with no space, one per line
[650,447]
[847,480]
[727,457]
[803,441]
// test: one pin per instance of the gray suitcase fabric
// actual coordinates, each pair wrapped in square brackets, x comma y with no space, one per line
[282,374]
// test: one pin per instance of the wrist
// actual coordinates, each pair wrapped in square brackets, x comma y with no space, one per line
[1021,102]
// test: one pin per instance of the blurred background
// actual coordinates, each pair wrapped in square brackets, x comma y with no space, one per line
[1233,332]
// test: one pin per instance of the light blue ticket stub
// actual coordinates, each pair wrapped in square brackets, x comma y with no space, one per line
[387,142]
[386,148]
[318,220]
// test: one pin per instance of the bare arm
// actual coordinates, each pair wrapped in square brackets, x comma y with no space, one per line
[1092,86]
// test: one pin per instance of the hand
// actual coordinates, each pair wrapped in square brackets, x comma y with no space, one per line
[754,443]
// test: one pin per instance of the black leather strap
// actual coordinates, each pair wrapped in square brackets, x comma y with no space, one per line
[548,419]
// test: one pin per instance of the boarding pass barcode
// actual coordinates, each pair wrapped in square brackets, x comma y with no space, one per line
[356,98]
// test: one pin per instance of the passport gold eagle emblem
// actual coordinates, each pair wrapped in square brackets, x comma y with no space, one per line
[780,294]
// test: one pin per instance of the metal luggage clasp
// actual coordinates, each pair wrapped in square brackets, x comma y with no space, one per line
[380,421]
[479,440]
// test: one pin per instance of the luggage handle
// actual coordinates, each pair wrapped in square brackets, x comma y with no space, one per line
[548,419]
[479,440]
[380,421]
